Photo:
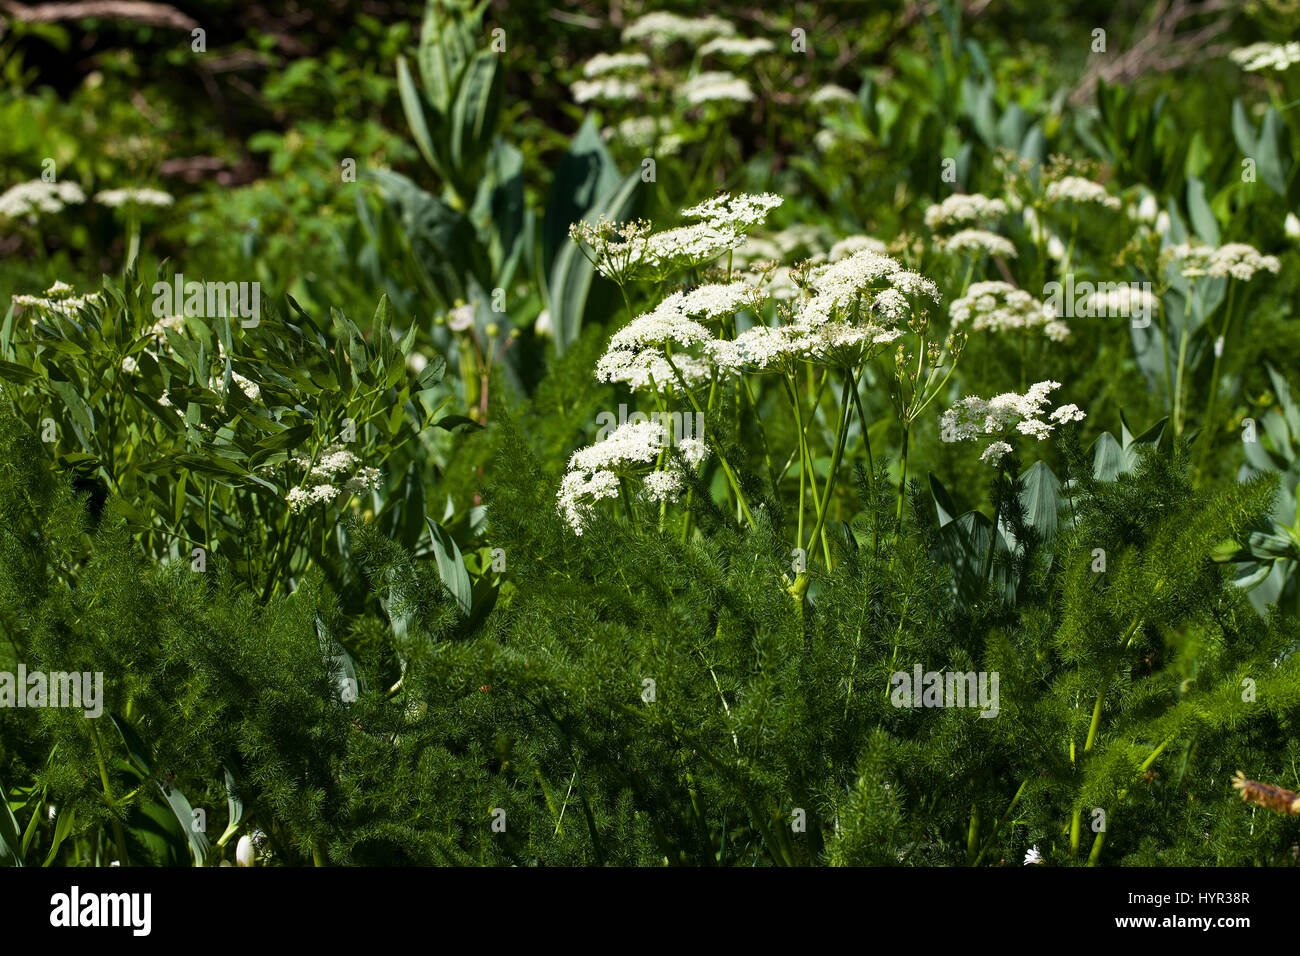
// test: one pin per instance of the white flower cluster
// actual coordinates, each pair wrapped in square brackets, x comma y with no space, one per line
[739,210]
[1078,189]
[661,29]
[979,242]
[851,244]
[973,417]
[632,448]
[643,132]
[606,89]
[840,286]
[28,200]
[831,93]
[133,197]
[603,63]
[715,86]
[334,473]
[1236,259]
[962,208]
[60,298]
[1000,307]
[1264,56]
[647,369]
[737,48]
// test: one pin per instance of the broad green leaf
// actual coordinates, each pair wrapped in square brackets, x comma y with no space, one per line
[10,840]
[451,566]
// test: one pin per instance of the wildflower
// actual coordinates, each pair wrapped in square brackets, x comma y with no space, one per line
[461,317]
[963,208]
[648,370]
[831,93]
[664,324]
[715,86]
[840,285]
[662,29]
[1000,307]
[129,364]
[997,417]
[979,242]
[1263,56]
[1078,189]
[1241,261]
[27,200]
[758,349]
[1033,856]
[605,90]
[133,197]
[737,48]
[739,211]
[603,63]
[851,244]
[644,132]
[578,491]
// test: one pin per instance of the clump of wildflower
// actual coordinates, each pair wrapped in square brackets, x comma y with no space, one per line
[647,369]
[60,298]
[1241,261]
[851,244]
[630,451]
[831,93]
[29,200]
[979,242]
[973,417]
[839,287]
[963,208]
[738,210]
[335,472]
[644,132]
[997,306]
[737,48]
[606,89]
[134,197]
[623,62]
[1080,190]
[715,86]
[661,29]
[1265,56]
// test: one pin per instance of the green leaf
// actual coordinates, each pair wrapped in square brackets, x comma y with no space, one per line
[1041,498]
[1107,458]
[1198,208]
[572,274]
[413,107]
[10,841]
[17,373]
[478,101]
[451,566]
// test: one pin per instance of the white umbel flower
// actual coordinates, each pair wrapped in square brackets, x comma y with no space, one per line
[737,48]
[1267,56]
[1077,189]
[623,62]
[979,242]
[997,306]
[31,199]
[715,86]
[134,197]
[963,208]
[661,29]
[1032,856]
